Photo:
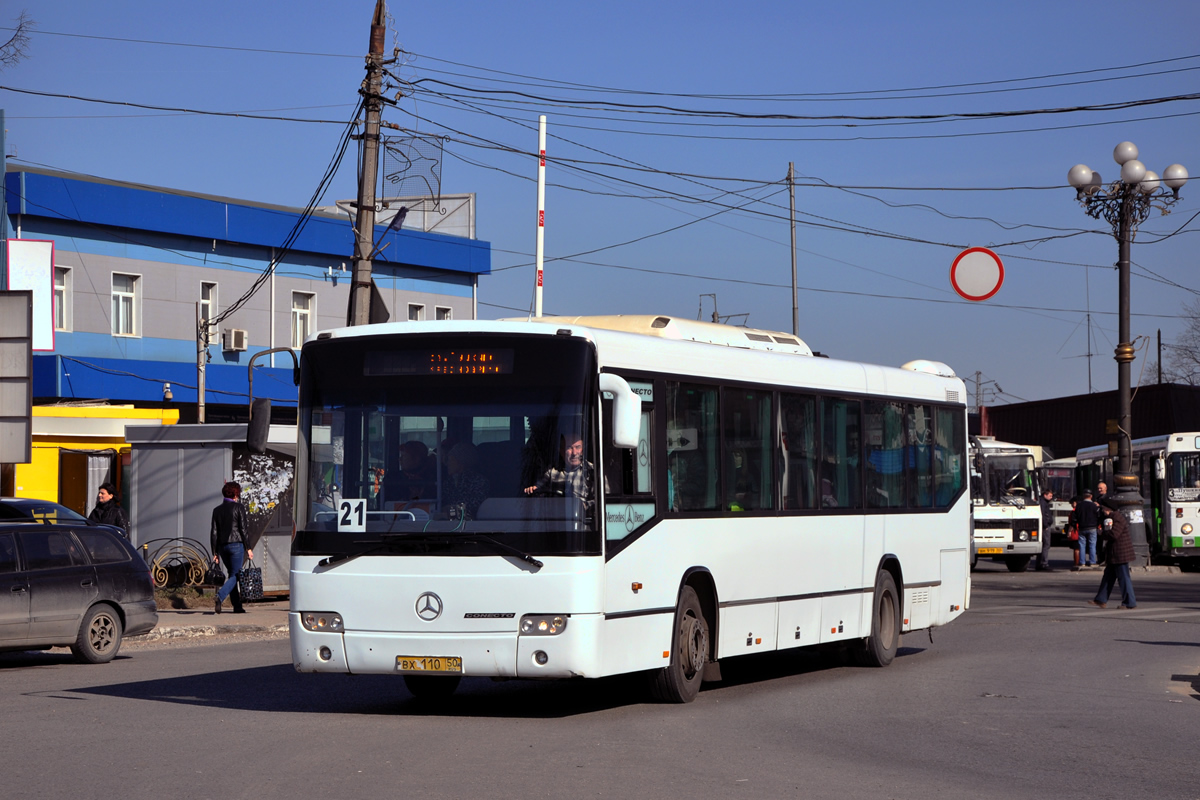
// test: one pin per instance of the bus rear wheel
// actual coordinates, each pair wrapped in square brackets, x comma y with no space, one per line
[431,687]
[879,649]
[1017,563]
[679,682]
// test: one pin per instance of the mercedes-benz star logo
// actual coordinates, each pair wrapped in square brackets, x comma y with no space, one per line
[429,606]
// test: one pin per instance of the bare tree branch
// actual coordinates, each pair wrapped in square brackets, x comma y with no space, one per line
[1181,361]
[14,50]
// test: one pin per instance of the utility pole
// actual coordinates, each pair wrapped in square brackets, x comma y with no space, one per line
[1160,356]
[792,219]
[201,362]
[364,224]
[540,246]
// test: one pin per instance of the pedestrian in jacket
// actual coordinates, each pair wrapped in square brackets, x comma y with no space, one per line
[230,539]
[1087,514]
[1043,559]
[108,509]
[1115,530]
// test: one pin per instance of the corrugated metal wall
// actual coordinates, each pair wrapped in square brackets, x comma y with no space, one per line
[1066,424]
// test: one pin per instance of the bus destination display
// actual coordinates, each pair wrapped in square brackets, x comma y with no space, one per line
[457,361]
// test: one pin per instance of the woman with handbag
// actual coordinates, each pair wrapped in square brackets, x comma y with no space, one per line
[229,534]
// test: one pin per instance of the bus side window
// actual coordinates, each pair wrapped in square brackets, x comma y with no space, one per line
[693,446]
[841,484]
[627,471]
[798,450]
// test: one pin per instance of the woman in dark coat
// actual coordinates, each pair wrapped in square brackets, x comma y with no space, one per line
[1115,531]
[108,509]
[230,533]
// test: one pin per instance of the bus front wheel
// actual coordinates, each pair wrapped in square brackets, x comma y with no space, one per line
[679,682]
[879,649]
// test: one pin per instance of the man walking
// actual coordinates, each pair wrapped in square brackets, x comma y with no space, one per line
[1120,553]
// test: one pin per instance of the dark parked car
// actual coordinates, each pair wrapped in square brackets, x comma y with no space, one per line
[72,585]
[21,509]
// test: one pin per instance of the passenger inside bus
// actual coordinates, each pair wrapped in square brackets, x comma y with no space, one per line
[743,483]
[466,488]
[416,479]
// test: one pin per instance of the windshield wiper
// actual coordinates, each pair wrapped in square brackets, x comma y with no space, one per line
[376,547]
[508,548]
[391,541]
[473,538]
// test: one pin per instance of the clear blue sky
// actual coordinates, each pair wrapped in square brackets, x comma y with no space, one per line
[636,172]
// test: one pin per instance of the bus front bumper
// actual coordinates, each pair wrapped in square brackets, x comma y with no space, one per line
[572,653]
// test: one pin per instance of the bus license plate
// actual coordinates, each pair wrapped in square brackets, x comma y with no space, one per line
[429,664]
[983,551]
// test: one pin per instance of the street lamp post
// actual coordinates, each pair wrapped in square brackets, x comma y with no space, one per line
[1125,204]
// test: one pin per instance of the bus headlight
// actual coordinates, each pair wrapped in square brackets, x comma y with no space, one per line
[1187,527]
[543,624]
[1022,536]
[322,621]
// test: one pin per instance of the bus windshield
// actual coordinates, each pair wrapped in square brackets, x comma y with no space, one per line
[1009,479]
[466,444]
[1183,471]
[1060,480]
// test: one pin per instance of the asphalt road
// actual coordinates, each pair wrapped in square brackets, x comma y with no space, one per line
[1030,694]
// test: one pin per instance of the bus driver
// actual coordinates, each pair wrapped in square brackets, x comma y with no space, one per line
[576,477]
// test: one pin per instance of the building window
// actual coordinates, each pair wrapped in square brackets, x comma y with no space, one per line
[124,304]
[302,310]
[62,299]
[208,306]
[416,312]
[444,313]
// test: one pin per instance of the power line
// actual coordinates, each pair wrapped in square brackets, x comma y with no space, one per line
[660,109]
[540,81]
[189,44]
[237,114]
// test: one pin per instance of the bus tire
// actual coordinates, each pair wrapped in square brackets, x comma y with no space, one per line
[1017,563]
[679,681]
[879,649]
[431,687]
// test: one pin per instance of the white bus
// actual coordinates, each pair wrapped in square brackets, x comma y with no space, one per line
[1058,475]
[1168,468]
[734,494]
[1004,496]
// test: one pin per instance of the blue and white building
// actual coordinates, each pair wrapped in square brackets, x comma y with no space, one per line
[131,263]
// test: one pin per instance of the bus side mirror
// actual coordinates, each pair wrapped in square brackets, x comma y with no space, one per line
[627,410]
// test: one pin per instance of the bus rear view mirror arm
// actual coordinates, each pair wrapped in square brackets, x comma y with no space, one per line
[627,410]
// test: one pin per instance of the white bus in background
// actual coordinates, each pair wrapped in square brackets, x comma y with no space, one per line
[1004,497]
[740,495]
[1168,469]
[1058,475]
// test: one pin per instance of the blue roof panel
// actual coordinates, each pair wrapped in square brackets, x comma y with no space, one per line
[98,202]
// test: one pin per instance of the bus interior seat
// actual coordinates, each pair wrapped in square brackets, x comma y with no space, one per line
[498,462]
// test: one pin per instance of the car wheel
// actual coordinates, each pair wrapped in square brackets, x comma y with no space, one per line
[99,636]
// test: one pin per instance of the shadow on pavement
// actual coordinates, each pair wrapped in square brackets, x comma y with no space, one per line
[280,689]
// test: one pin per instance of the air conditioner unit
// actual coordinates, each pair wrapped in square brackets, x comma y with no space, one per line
[233,339]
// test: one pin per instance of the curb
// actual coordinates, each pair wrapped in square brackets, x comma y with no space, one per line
[197,631]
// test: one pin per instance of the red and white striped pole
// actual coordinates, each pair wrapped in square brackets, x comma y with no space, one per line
[541,218]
